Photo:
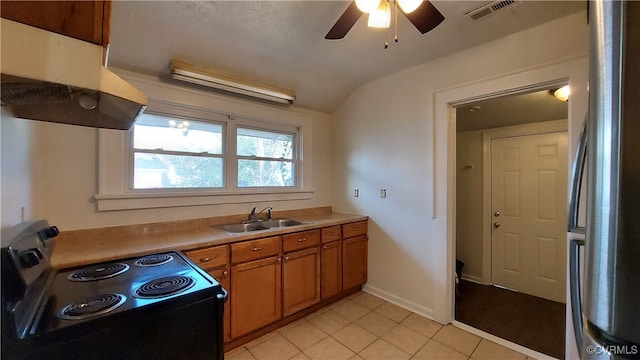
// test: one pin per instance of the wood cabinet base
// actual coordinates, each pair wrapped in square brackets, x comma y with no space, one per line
[297,316]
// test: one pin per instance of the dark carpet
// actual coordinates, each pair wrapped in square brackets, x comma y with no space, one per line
[533,322]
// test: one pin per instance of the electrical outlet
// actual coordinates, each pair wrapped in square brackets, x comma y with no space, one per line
[356,192]
[383,193]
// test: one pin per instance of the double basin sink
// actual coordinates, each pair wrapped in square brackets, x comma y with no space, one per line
[261,225]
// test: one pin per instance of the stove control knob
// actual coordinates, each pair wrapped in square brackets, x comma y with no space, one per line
[30,258]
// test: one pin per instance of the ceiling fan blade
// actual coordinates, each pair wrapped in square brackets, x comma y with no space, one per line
[426,17]
[346,21]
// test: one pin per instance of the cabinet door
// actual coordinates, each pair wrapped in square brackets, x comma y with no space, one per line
[331,265]
[84,20]
[354,262]
[301,273]
[256,288]
[222,276]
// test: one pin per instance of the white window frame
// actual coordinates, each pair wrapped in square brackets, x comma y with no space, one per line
[115,152]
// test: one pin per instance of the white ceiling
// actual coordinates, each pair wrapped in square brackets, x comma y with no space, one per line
[281,43]
[509,110]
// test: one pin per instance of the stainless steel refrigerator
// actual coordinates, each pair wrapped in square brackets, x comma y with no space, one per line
[606,304]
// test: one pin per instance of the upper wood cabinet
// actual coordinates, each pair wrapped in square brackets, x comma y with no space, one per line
[84,20]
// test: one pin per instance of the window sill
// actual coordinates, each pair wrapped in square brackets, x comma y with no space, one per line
[130,201]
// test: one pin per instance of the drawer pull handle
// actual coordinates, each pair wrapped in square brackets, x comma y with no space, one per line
[355,229]
[324,247]
[286,258]
[225,273]
[302,240]
[279,260]
[256,248]
[207,259]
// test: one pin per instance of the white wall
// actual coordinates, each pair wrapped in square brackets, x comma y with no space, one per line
[15,172]
[51,169]
[384,138]
[469,203]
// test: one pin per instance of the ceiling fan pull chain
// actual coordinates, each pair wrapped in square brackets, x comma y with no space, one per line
[386,43]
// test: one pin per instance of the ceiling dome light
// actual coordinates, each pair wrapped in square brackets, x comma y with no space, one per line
[367,6]
[381,18]
[563,93]
[409,6]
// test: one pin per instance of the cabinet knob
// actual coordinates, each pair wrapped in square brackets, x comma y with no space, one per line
[279,260]
[286,258]
[302,240]
[256,248]
[324,247]
[225,273]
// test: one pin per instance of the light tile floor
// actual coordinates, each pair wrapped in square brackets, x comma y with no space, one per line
[365,327]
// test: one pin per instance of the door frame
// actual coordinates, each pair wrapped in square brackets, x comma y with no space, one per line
[544,127]
[573,71]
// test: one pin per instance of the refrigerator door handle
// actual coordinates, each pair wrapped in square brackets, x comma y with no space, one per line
[576,182]
[575,289]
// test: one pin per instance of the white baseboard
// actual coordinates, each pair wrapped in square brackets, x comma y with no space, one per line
[506,343]
[472,278]
[403,303]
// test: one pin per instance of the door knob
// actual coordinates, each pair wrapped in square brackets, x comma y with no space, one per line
[496,214]
[496,225]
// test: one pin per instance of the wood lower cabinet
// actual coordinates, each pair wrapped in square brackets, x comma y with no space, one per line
[301,279]
[215,261]
[354,254]
[331,269]
[256,284]
[223,276]
[256,288]
[266,286]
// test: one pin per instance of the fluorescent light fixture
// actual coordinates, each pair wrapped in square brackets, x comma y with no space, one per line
[186,72]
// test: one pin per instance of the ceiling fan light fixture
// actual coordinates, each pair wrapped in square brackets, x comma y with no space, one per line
[367,6]
[381,18]
[408,6]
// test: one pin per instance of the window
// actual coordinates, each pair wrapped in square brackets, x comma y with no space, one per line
[265,158]
[193,148]
[182,152]
[170,152]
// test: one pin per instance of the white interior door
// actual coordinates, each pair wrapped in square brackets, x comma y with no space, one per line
[529,214]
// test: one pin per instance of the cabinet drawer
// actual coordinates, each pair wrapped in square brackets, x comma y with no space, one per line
[210,258]
[332,233]
[255,249]
[301,240]
[354,229]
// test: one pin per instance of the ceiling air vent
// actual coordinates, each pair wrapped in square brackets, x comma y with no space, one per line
[490,8]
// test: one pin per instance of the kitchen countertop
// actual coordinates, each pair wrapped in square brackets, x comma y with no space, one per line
[82,247]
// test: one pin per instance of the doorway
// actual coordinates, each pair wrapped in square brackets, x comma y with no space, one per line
[511,184]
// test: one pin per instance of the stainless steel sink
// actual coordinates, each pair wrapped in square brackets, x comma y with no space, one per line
[282,223]
[261,225]
[240,228]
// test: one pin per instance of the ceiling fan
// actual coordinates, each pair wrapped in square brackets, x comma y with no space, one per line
[422,14]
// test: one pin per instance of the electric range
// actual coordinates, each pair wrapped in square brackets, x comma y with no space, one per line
[159,306]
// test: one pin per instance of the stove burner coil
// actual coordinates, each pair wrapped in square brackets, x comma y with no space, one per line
[98,272]
[164,286]
[153,260]
[92,306]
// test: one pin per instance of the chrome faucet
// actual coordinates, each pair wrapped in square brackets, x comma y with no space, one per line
[254,217]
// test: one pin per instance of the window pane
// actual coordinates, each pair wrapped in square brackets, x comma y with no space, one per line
[258,173]
[174,171]
[175,134]
[265,144]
